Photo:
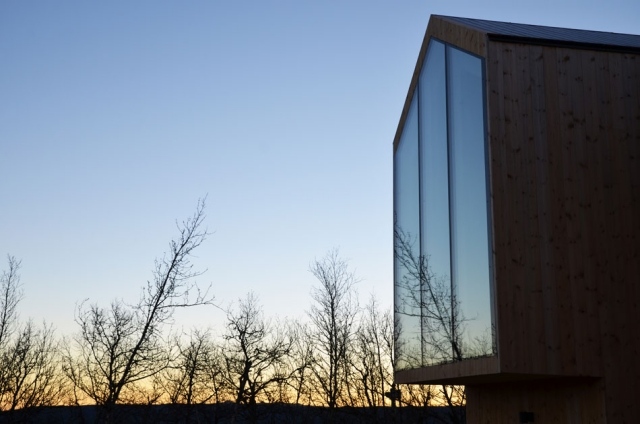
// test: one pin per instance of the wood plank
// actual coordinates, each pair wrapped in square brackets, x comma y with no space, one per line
[516,118]
[466,38]
[557,92]
[592,197]
[497,177]
[500,137]
[478,368]
[534,305]
[544,235]
[573,162]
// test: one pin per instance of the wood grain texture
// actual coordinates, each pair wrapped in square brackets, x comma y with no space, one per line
[555,156]
[463,37]
[569,402]
[480,369]
[564,139]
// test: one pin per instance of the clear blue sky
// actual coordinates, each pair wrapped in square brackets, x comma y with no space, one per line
[115,117]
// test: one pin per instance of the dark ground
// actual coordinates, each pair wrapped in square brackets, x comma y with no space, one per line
[228,413]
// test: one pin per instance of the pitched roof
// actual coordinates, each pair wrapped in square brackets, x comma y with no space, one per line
[536,34]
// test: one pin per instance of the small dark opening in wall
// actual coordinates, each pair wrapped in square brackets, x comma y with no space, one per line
[526,417]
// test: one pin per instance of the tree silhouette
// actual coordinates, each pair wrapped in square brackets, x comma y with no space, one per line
[123,344]
[254,352]
[29,366]
[333,316]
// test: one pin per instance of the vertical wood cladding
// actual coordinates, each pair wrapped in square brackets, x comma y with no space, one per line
[560,402]
[460,36]
[564,144]
[567,188]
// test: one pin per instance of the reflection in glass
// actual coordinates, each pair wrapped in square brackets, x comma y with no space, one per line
[441,244]
[434,215]
[406,216]
[469,239]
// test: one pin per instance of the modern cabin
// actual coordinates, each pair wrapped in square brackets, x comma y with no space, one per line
[517,221]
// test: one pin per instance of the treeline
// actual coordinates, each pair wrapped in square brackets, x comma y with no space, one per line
[124,353]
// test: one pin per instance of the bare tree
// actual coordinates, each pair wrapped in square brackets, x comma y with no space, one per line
[10,296]
[418,394]
[187,379]
[373,357]
[456,400]
[121,345]
[254,352]
[333,314]
[215,371]
[300,363]
[31,372]
[29,366]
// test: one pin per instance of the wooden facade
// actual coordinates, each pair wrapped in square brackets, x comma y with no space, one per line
[563,133]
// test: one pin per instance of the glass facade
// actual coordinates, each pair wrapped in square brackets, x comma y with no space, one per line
[441,239]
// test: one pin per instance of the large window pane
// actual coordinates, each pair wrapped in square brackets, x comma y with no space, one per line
[468,197]
[441,241]
[407,239]
[435,296]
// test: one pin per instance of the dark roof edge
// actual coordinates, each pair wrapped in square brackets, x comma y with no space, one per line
[549,35]
[615,48]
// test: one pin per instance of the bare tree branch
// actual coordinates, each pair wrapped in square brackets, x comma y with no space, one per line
[123,344]
[333,314]
[254,352]
[10,296]
[29,366]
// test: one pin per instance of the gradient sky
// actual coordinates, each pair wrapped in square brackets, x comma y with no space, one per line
[115,117]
